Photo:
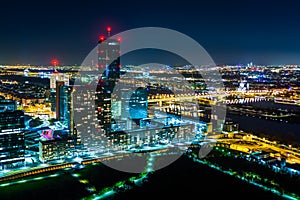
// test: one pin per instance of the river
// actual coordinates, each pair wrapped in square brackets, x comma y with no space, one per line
[285,130]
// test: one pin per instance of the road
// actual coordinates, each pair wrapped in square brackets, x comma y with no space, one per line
[293,156]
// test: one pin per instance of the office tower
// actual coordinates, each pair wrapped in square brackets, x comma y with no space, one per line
[86,124]
[12,141]
[56,76]
[109,61]
[61,100]
[64,105]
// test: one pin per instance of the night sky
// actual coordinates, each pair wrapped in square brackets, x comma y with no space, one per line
[232,32]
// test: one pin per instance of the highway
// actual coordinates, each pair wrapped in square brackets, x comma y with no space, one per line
[259,144]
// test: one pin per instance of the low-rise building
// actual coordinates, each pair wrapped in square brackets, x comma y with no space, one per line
[55,149]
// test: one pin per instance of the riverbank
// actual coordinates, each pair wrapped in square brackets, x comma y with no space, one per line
[284,130]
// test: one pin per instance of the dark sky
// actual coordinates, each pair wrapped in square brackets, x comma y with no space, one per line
[232,32]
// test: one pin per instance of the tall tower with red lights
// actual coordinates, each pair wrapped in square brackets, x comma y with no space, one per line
[109,55]
[54,62]
[109,61]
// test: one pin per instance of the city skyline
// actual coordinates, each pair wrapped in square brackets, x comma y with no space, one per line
[231,32]
[121,100]
[159,121]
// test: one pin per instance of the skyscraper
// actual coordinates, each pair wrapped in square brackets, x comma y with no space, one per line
[64,105]
[109,61]
[56,77]
[12,141]
[61,100]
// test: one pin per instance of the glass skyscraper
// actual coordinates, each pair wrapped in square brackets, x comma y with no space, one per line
[12,141]
[109,61]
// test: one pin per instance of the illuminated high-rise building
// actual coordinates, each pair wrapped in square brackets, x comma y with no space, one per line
[86,124]
[109,62]
[64,105]
[61,100]
[56,77]
[12,140]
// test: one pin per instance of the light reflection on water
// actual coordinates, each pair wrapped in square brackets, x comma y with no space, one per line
[289,131]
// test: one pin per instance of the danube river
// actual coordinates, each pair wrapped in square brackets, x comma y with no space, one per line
[283,129]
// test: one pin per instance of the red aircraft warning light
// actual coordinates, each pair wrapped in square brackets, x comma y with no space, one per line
[54,62]
[108,31]
[101,38]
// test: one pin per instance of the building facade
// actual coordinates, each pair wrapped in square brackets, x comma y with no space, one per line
[109,62]
[12,139]
[55,149]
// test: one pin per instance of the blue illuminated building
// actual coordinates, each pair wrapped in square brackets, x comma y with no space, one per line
[64,104]
[138,104]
